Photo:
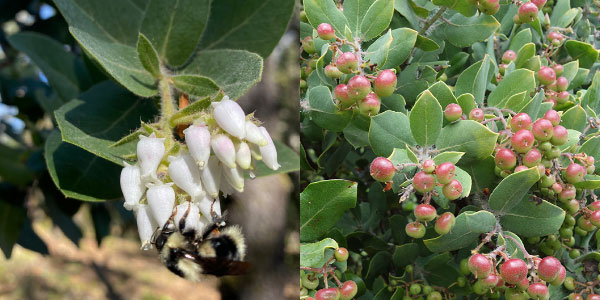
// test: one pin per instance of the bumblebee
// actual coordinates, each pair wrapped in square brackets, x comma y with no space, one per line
[190,253]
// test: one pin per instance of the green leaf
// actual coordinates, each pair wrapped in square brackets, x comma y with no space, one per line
[394,102]
[426,119]
[474,80]
[376,19]
[357,131]
[100,117]
[426,44]
[405,255]
[448,156]
[517,101]
[511,189]
[322,204]
[579,79]
[313,254]
[574,118]
[559,10]
[414,79]
[148,56]
[572,139]
[570,70]
[252,25]
[404,8]
[12,219]
[66,73]
[521,80]
[463,31]
[79,174]
[584,52]
[195,85]
[533,107]
[175,27]
[592,95]
[378,265]
[481,172]
[389,130]
[355,11]
[466,102]
[393,48]
[528,218]
[476,140]
[324,112]
[520,39]
[513,244]
[592,147]
[591,182]
[14,168]
[524,54]
[325,11]
[463,7]
[466,230]
[442,92]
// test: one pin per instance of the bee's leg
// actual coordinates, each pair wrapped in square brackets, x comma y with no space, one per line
[182,220]
[219,220]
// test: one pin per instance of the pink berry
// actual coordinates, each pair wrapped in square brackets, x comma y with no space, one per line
[423,182]
[560,135]
[562,274]
[527,12]
[341,93]
[508,56]
[539,3]
[415,230]
[325,31]
[538,290]
[488,7]
[428,166]
[545,75]
[490,281]
[445,172]
[554,35]
[358,87]
[347,62]
[369,105]
[558,68]
[332,71]
[453,112]
[452,190]
[594,205]
[557,187]
[348,290]
[476,115]
[548,268]
[568,193]
[327,294]
[520,168]
[561,84]
[575,173]
[513,270]
[444,223]
[562,97]
[595,218]
[480,265]
[542,130]
[522,140]
[425,212]
[385,83]
[382,169]
[552,116]
[532,158]
[505,159]
[520,121]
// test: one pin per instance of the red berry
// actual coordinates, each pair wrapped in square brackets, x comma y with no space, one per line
[445,172]
[358,87]
[332,71]
[415,230]
[341,254]
[568,193]
[490,281]
[562,83]
[522,140]
[520,168]
[425,212]
[505,159]
[520,121]
[369,105]
[476,115]
[594,205]
[595,218]
[444,223]
[452,190]
[542,130]
[523,284]
[347,62]
[453,112]
[575,296]
[532,158]
[480,265]
[428,166]
[560,135]
[557,187]
[382,169]
[325,31]
[341,93]
[508,56]
[327,294]
[545,75]
[527,12]
[423,182]
[574,173]
[385,83]
[488,7]
[562,97]
[538,291]
[593,297]
[553,117]
[562,274]
[539,3]
[548,268]
[558,68]
[513,270]
[554,35]
[348,290]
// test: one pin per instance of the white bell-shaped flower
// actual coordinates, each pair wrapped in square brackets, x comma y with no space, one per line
[230,117]
[254,134]
[226,187]
[150,151]
[211,177]
[197,138]
[269,152]
[161,199]
[205,205]
[224,149]
[192,220]
[131,185]
[146,225]
[235,177]
[243,157]
[185,174]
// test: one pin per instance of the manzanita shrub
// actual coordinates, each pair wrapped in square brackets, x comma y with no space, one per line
[449,149]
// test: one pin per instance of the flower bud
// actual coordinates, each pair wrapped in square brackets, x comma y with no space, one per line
[161,199]
[185,174]
[211,177]
[192,220]
[254,134]
[224,149]
[243,157]
[146,225]
[150,151]
[269,152]
[235,177]
[207,204]
[230,116]
[131,185]
[197,138]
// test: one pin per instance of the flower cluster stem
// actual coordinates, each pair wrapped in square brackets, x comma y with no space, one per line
[167,106]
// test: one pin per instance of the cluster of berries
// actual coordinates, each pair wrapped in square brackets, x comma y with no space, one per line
[426,213]
[512,279]
[344,291]
[148,185]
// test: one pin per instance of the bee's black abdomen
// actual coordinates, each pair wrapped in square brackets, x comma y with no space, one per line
[225,247]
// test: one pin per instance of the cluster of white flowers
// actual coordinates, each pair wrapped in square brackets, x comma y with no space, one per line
[235,140]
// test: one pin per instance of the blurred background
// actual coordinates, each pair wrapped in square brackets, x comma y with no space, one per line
[58,248]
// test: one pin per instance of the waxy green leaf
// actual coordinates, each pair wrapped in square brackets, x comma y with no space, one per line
[426,119]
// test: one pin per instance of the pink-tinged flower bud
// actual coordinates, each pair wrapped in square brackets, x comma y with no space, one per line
[146,225]
[197,138]
[254,134]
[224,149]
[150,151]
[235,177]
[269,152]
[192,219]
[161,200]
[211,177]
[206,204]
[243,157]
[131,185]
[230,116]
[185,174]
